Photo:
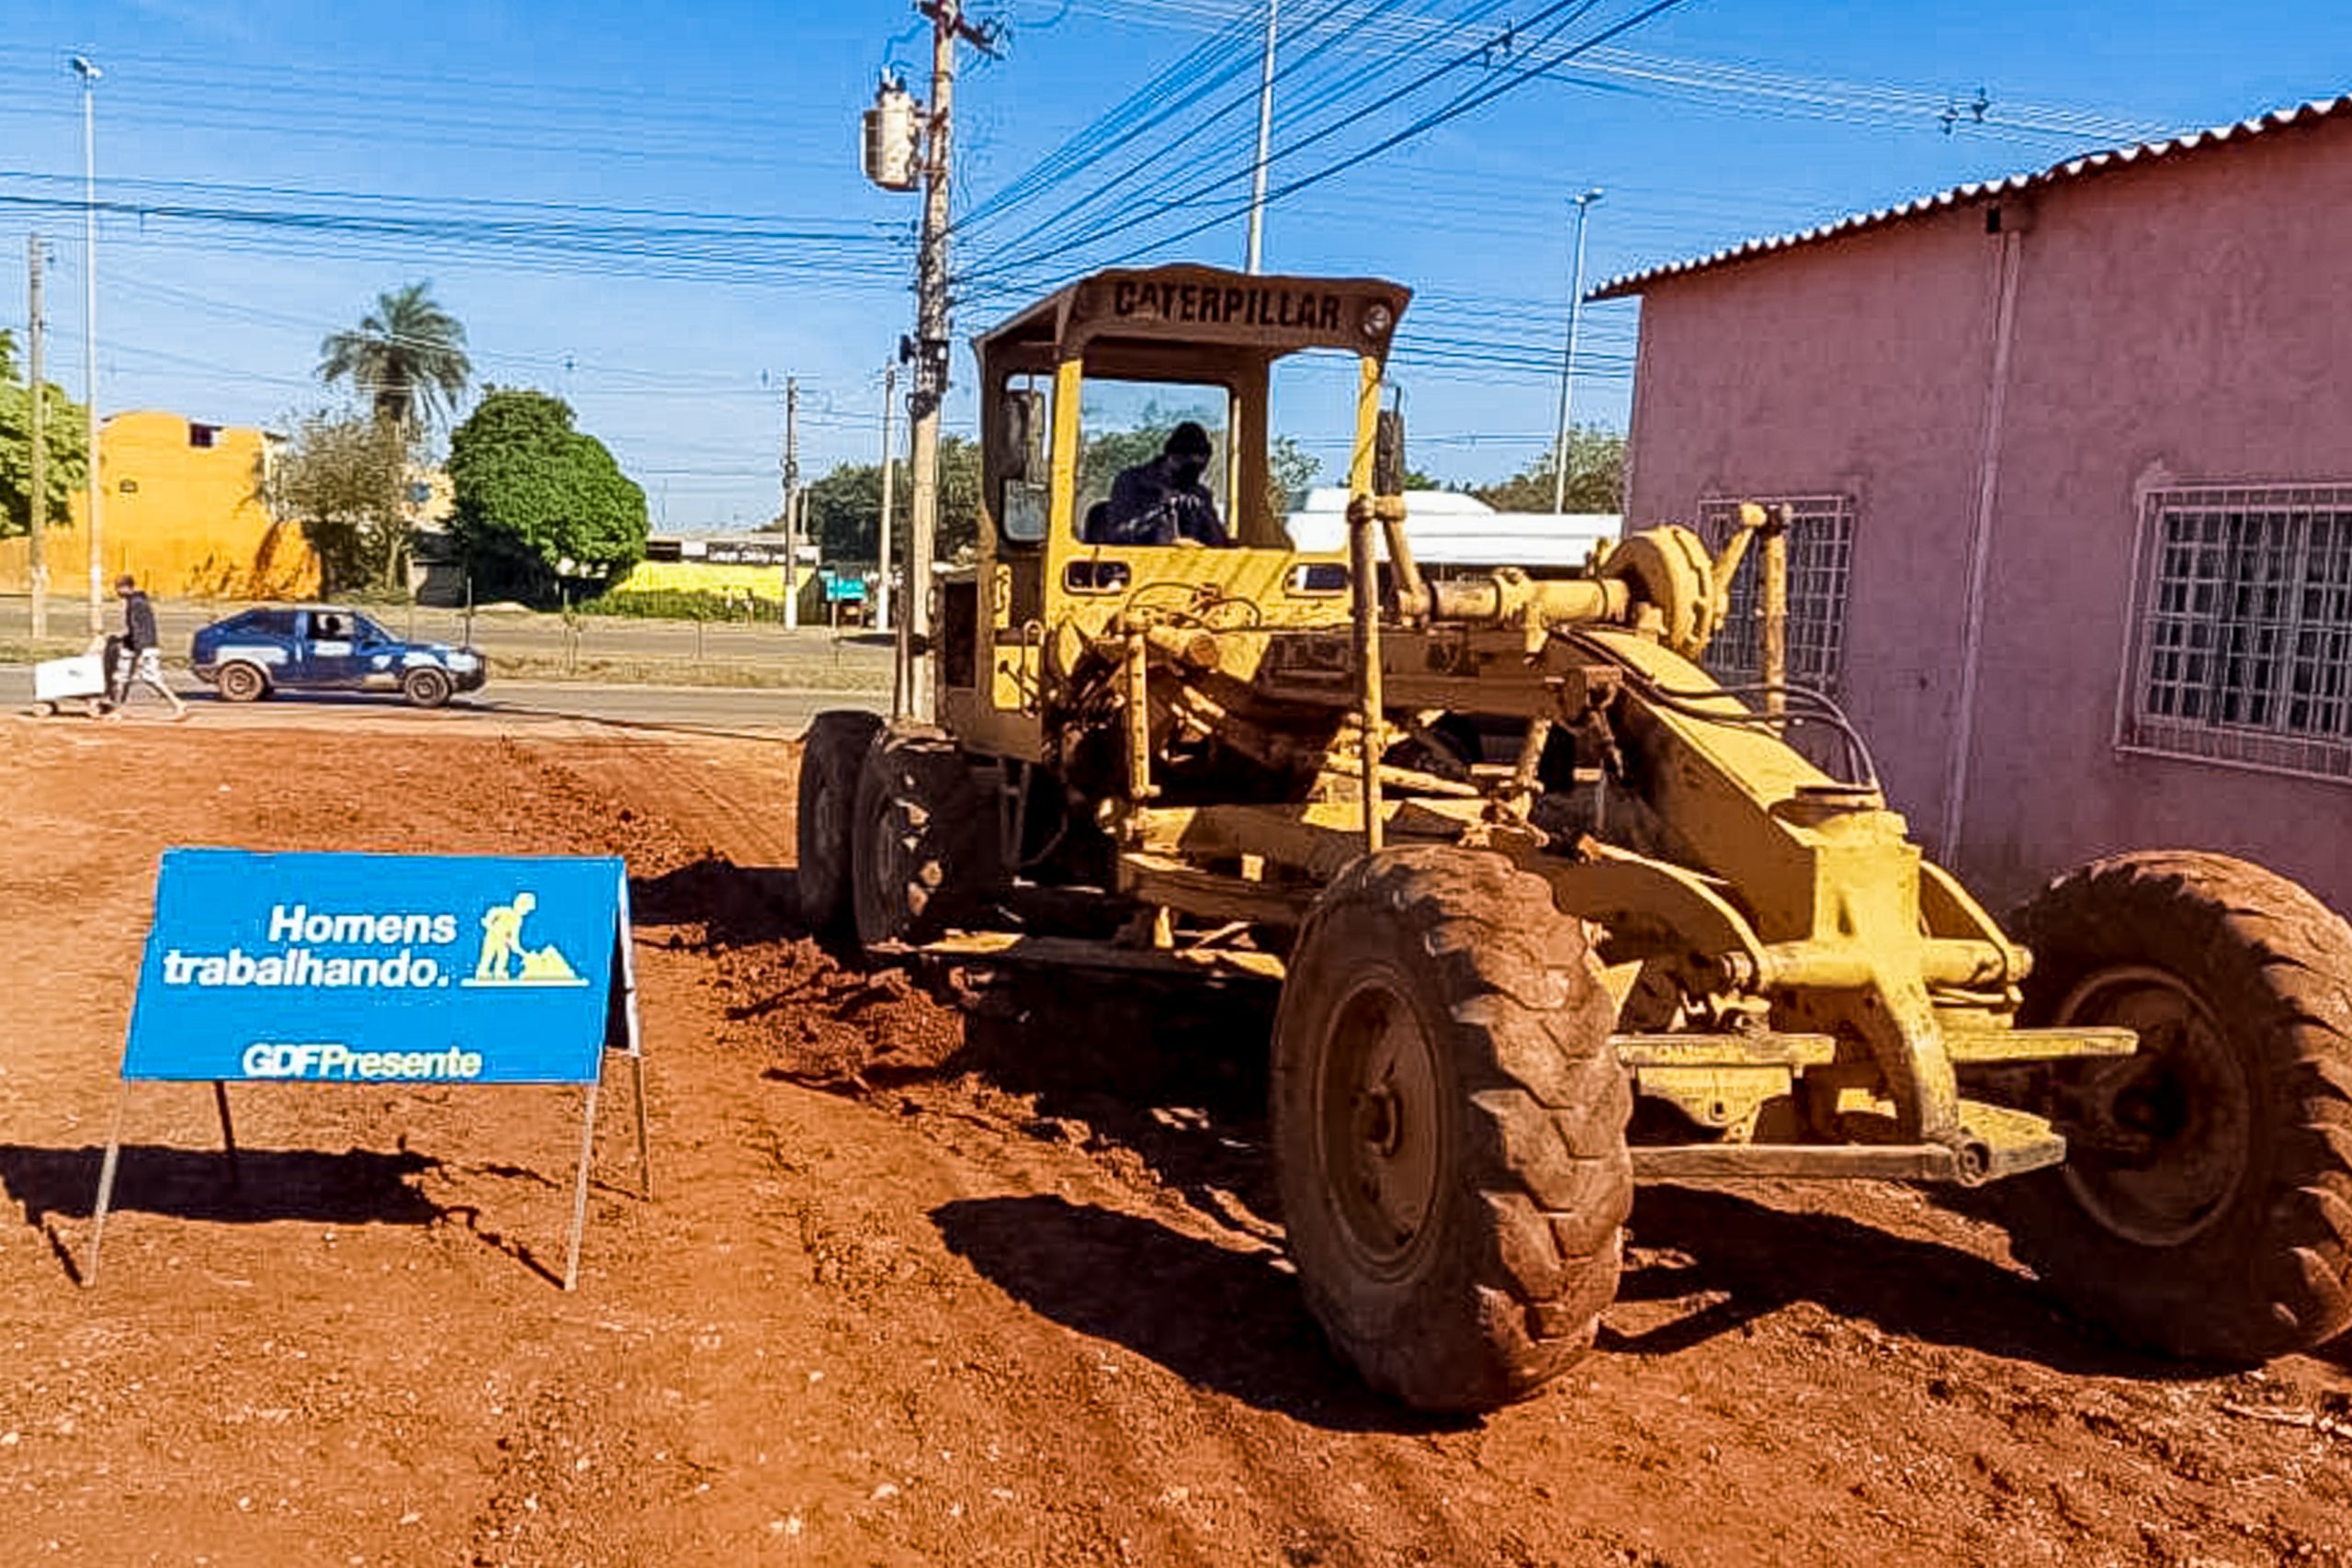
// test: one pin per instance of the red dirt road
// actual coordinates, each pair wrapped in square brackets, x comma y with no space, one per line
[992,1279]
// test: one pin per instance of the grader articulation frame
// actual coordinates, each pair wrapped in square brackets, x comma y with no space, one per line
[1521,865]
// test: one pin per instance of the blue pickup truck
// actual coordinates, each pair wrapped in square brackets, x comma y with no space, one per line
[319,647]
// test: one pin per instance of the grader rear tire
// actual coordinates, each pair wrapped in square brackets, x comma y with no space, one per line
[925,844]
[831,755]
[1449,1128]
[2205,1208]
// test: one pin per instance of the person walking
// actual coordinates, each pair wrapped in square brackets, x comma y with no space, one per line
[140,650]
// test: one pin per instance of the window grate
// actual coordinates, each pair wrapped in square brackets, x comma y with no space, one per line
[2243,649]
[1821,554]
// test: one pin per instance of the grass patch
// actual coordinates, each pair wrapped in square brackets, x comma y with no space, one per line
[799,675]
[684,604]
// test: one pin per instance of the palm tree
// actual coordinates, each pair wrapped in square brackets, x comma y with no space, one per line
[407,358]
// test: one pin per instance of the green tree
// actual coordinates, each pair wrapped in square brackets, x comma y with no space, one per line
[1290,472]
[1596,477]
[536,498]
[407,358]
[345,482]
[64,434]
[844,506]
[959,497]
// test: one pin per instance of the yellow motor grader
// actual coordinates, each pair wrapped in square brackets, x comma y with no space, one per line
[1552,909]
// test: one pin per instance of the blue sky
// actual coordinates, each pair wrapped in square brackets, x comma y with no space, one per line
[656,211]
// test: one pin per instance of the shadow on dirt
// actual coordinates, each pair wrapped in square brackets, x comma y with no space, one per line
[1758,1259]
[1227,1321]
[355,1187]
[738,906]
[1173,1071]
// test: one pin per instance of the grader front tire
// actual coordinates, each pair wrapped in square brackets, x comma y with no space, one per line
[924,846]
[2205,1209]
[1449,1128]
[832,756]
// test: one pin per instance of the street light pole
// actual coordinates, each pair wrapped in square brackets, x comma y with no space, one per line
[791,503]
[1568,361]
[94,541]
[36,515]
[1265,134]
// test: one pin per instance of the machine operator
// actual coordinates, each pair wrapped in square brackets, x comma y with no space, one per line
[1162,502]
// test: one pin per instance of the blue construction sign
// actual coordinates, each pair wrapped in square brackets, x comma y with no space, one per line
[364,968]
[384,969]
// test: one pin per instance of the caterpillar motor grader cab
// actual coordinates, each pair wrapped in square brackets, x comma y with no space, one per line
[1550,910]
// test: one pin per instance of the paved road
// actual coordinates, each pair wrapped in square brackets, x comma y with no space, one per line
[832,661]
[502,703]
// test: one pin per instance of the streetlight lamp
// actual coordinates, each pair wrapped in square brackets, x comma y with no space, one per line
[89,74]
[1569,362]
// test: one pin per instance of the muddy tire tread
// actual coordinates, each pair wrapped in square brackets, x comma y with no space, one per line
[2300,953]
[832,753]
[1543,1126]
[917,787]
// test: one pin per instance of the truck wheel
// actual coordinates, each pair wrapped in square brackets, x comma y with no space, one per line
[831,753]
[2205,1207]
[1449,1127]
[242,682]
[924,850]
[425,688]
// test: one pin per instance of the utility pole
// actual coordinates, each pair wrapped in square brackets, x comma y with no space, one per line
[931,343]
[791,502]
[36,515]
[1265,134]
[882,536]
[1568,363]
[95,535]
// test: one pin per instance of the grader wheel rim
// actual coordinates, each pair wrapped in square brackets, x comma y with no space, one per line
[2185,1091]
[1379,1119]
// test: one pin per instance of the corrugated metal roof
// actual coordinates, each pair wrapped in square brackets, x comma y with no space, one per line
[1981,191]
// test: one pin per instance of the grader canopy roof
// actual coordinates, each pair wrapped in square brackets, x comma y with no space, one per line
[1204,305]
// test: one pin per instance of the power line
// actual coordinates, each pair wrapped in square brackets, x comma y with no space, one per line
[1121,183]
[1753,87]
[1300,141]
[1460,104]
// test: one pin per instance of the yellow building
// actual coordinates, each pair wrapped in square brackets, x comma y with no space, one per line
[183,513]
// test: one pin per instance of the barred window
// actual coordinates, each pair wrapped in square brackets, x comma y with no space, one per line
[1821,552]
[2243,649]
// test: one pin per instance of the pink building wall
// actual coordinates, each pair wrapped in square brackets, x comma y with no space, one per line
[2187,320]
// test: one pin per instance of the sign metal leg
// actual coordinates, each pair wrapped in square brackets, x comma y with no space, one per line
[228,1133]
[580,1187]
[106,1187]
[644,1143]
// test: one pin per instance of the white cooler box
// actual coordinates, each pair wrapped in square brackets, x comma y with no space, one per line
[82,678]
